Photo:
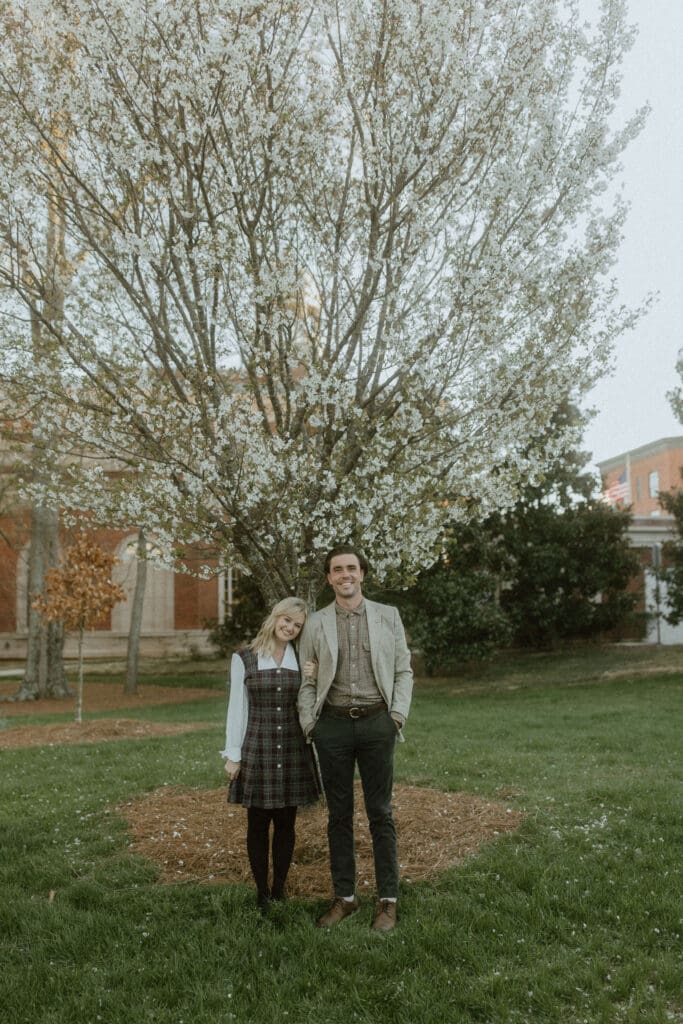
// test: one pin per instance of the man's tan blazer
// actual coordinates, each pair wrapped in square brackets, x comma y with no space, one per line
[388,651]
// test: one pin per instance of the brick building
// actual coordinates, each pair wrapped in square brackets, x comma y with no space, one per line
[636,479]
[176,607]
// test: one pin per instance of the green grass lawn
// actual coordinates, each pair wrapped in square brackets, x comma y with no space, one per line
[572,919]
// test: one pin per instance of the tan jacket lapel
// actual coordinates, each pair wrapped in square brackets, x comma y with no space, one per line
[328,616]
[375,634]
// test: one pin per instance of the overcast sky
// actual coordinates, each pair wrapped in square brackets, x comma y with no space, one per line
[633,409]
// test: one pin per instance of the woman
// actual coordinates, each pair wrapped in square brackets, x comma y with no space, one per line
[267,759]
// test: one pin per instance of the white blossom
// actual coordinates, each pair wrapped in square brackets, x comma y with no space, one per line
[329,268]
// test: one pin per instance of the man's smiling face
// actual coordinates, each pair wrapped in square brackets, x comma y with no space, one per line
[345,576]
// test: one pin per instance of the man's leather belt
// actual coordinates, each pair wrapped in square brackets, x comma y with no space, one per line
[354,710]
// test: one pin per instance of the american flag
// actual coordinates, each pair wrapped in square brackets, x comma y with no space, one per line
[618,491]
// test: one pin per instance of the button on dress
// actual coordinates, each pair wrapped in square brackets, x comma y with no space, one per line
[276,767]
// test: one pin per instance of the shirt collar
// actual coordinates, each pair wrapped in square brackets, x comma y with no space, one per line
[350,611]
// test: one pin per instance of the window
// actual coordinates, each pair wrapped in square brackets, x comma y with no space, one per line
[158,607]
[639,487]
[653,483]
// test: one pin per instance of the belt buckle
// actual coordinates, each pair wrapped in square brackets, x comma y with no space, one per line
[357,712]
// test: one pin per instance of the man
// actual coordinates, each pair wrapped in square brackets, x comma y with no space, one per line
[354,711]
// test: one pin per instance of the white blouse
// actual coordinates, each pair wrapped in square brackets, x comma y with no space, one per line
[238,704]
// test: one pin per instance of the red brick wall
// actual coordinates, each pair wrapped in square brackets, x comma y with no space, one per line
[195,601]
[14,534]
[8,588]
[667,463]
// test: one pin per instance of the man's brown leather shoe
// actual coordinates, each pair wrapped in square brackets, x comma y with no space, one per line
[385,916]
[338,911]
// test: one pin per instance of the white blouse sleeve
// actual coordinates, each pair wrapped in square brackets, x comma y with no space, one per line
[238,711]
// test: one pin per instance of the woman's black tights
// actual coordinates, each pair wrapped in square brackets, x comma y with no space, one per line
[258,828]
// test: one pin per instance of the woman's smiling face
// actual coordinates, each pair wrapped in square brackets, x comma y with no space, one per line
[288,627]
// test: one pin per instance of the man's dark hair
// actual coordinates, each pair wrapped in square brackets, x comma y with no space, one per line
[346,549]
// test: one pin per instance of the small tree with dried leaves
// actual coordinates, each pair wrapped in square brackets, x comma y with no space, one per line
[78,594]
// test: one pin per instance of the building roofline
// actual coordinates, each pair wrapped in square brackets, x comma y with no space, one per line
[663,444]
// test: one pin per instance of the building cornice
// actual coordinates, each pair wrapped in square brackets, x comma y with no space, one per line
[664,444]
[647,530]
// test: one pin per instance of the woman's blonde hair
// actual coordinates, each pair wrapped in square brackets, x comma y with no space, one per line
[264,641]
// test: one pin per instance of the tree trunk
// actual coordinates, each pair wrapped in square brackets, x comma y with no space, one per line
[44,674]
[56,682]
[33,683]
[131,683]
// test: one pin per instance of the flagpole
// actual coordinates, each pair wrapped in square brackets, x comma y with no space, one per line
[629,499]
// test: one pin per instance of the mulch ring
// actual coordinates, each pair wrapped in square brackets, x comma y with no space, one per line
[98,730]
[196,836]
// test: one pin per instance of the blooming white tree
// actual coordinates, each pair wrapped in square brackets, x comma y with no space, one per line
[327,265]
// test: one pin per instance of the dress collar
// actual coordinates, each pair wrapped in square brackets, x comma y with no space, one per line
[288,661]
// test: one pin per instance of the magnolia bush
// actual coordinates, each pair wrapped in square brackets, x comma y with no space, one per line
[326,266]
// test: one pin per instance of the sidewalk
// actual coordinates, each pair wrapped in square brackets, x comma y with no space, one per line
[92,667]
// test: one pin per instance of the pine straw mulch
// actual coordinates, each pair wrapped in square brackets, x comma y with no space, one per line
[197,836]
[99,730]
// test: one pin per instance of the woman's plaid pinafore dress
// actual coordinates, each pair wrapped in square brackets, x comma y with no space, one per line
[276,767]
